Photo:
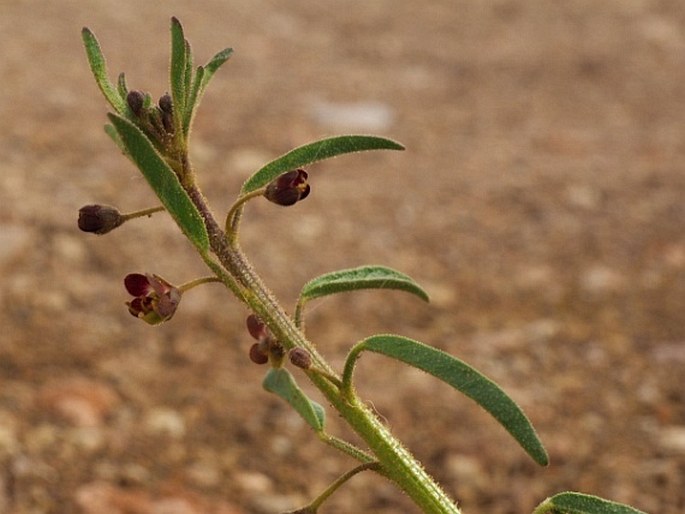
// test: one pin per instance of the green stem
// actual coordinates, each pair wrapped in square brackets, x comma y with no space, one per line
[394,461]
[231,228]
[314,506]
[345,447]
[194,283]
[141,213]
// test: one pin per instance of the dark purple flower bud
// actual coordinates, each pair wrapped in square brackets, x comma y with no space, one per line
[289,188]
[166,104]
[156,300]
[300,357]
[135,100]
[256,327]
[99,219]
[166,107]
[258,355]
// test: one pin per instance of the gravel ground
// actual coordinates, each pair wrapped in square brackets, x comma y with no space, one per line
[540,201]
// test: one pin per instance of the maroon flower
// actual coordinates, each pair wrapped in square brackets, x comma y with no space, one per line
[155,299]
[289,188]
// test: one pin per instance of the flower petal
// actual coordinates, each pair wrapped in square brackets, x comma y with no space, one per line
[137,284]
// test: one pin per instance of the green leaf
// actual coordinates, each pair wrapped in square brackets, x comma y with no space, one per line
[463,378]
[214,64]
[317,151]
[363,277]
[122,88]
[193,99]
[163,181]
[112,133]
[577,503]
[177,69]
[281,382]
[199,83]
[188,74]
[99,69]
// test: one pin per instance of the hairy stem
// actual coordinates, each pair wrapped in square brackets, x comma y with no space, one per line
[394,461]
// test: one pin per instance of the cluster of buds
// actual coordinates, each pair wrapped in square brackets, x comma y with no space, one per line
[156,120]
[266,345]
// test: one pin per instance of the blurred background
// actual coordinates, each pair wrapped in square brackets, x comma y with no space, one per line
[540,201]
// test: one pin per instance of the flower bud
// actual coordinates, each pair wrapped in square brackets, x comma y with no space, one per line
[300,357]
[135,100]
[257,354]
[256,327]
[167,107]
[99,219]
[165,103]
[289,188]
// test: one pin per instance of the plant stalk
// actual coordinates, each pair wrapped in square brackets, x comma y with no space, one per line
[395,461]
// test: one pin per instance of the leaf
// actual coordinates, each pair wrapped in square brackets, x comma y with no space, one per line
[99,69]
[193,99]
[177,69]
[281,382]
[214,64]
[112,133]
[202,76]
[317,151]
[188,74]
[363,277]
[463,378]
[122,88]
[163,181]
[577,503]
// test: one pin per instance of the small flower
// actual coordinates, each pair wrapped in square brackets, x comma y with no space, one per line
[155,299]
[99,219]
[289,188]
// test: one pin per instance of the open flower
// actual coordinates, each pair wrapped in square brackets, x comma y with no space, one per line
[155,299]
[289,188]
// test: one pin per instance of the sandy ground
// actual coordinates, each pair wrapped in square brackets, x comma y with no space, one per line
[541,202]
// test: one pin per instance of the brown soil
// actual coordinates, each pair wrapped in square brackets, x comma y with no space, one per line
[541,201]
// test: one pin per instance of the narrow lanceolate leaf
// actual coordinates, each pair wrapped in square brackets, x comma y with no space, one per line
[214,64]
[577,503]
[163,181]
[122,88]
[363,277]
[177,70]
[188,74]
[193,99]
[281,382]
[199,83]
[317,151]
[99,69]
[463,378]
[112,133]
